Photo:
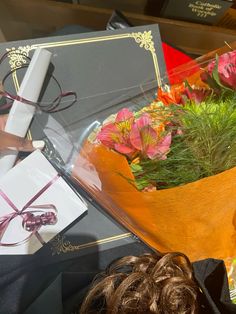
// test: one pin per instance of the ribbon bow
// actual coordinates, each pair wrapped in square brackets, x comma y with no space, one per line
[30,221]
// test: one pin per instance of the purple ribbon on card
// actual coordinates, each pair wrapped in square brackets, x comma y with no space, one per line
[47,215]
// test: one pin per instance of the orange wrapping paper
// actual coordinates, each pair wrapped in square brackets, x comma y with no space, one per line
[198,218]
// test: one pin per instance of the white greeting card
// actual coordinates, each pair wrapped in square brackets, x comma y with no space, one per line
[35,205]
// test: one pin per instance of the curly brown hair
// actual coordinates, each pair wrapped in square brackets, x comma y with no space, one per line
[151,283]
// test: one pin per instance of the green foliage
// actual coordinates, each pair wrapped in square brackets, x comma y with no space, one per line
[206,146]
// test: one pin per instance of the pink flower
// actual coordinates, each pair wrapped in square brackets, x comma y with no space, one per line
[124,115]
[226,70]
[130,137]
[146,140]
[115,134]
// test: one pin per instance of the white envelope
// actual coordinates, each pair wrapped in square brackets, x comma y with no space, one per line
[35,177]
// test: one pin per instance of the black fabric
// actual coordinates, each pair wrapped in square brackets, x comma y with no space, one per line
[212,278]
[117,21]
[35,285]
[38,283]
[42,287]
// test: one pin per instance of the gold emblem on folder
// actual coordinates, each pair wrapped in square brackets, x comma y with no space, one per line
[61,245]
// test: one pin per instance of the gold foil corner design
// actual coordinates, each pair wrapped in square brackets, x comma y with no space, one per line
[145,40]
[18,56]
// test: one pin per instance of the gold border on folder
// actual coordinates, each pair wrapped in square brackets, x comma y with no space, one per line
[143,39]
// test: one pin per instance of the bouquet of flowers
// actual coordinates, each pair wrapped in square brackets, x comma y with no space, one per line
[186,134]
[167,170]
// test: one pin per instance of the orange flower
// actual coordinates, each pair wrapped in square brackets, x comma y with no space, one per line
[159,114]
[174,96]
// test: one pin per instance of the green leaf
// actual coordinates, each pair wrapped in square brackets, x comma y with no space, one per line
[186,83]
[136,168]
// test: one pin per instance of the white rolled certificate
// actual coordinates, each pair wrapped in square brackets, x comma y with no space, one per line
[21,114]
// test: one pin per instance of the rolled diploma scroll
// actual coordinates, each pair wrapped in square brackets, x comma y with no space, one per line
[21,114]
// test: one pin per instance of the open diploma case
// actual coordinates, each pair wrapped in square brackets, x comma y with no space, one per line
[110,71]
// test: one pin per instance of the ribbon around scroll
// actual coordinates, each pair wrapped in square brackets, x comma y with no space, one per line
[51,107]
[30,221]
